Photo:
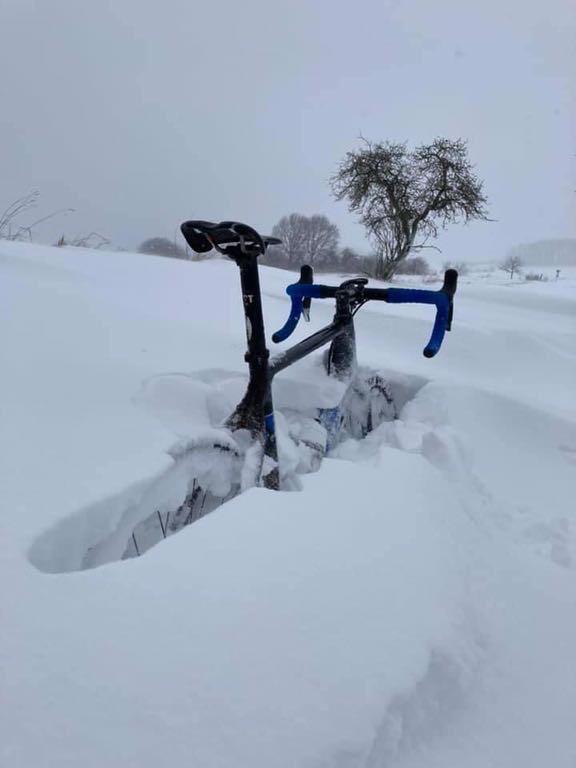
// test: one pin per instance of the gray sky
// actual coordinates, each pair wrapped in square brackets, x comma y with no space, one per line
[139,114]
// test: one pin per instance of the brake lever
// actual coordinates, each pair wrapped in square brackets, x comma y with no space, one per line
[306,278]
[300,306]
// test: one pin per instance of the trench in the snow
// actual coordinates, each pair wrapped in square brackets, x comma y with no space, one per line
[203,478]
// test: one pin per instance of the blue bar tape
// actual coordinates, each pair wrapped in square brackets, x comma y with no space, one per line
[270,424]
[291,323]
[305,290]
[442,303]
[438,332]
[414,296]
[439,299]
[297,292]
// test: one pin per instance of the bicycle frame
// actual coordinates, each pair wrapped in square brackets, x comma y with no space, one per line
[255,412]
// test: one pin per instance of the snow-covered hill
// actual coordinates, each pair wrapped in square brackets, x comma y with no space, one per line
[413,606]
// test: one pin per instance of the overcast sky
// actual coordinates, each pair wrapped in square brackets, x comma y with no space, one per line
[140,113]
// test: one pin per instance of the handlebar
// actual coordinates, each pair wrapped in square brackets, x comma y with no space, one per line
[304,290]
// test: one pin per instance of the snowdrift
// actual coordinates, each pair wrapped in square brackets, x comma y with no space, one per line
[412,605]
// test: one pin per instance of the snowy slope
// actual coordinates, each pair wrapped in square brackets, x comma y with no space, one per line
[412,606]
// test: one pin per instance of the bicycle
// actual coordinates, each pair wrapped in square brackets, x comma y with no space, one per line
[248,452]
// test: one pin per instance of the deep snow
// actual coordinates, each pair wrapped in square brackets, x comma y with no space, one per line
[413,606]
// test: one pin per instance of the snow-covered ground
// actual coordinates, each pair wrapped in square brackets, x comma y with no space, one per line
[413,606]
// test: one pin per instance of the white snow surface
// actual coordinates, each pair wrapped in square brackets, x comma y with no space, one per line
[412,606]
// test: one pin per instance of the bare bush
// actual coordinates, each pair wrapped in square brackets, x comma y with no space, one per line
[8,227]
[536,277]
[349,260]
[11,229]
[94,240]
[415,266]
[161,246]
[462,267]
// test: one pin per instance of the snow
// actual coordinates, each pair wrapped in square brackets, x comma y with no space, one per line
[411,606]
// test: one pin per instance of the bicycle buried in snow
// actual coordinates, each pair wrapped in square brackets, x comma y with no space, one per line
[247,454]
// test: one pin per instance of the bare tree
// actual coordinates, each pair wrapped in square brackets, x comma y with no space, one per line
[321,241]
[511,265]
[305,239]
[292,230]
[404,197]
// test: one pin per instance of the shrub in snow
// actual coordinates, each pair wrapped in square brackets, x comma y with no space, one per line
[416,266]
[460,266]
[161,246]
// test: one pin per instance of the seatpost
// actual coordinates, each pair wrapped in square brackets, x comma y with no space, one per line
[257,353]
[256,411]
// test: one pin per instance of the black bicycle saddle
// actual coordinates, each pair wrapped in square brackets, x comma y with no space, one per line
[202,236]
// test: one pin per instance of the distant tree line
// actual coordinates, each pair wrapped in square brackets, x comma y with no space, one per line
[161,246]
[315,239]
[551,253]
[310,240]
[403,197]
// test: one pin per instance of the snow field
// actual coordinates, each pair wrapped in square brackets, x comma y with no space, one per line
[412,606]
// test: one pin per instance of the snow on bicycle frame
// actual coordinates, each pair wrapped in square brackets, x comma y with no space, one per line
[255,412]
